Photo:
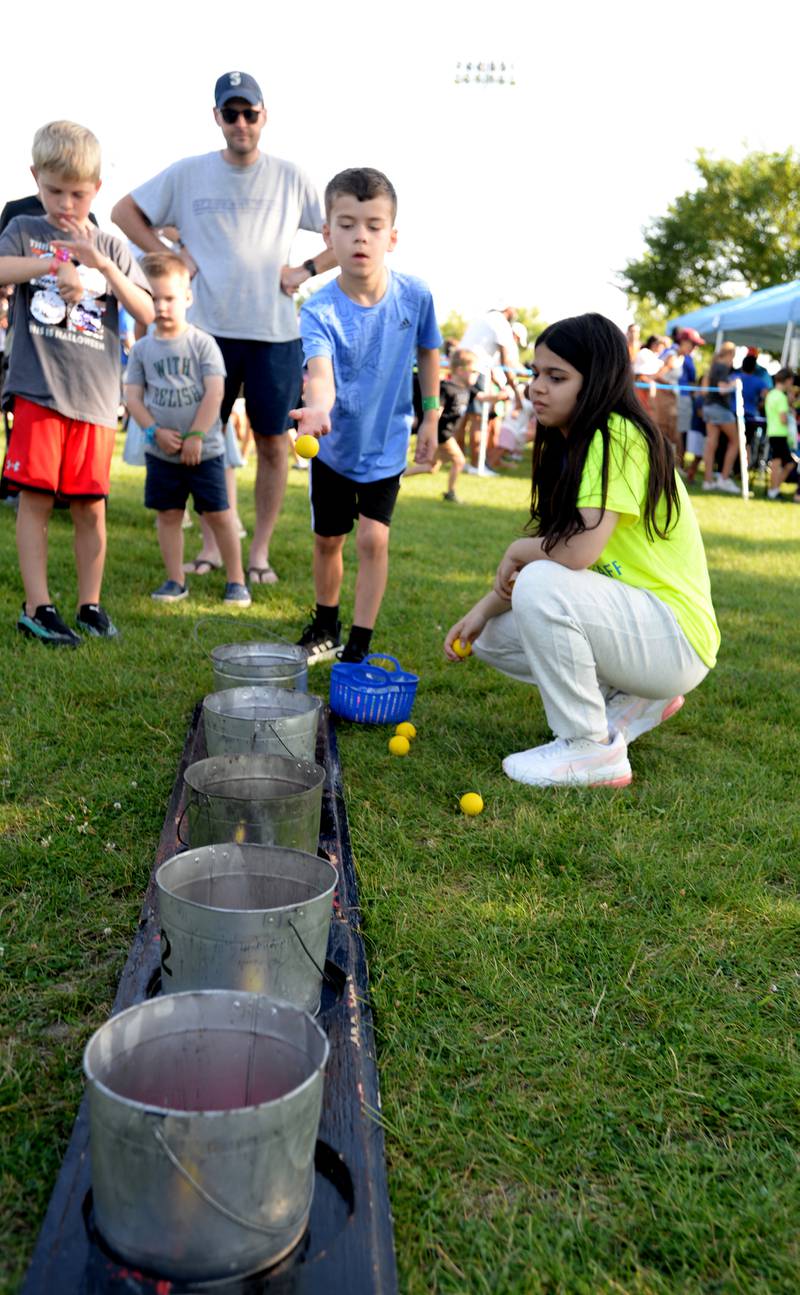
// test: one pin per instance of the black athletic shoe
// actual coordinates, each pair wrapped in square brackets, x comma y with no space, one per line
[94,620]
[351,655]
[319,644]
[47,626]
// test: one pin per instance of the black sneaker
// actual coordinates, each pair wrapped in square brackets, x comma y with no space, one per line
[351,655]
[95,620]
[319,645]
[47,626]
[451,497]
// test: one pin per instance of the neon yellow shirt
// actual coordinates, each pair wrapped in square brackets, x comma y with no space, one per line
[674,569]
[776,403]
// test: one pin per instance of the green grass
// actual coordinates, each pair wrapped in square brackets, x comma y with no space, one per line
[586,1003]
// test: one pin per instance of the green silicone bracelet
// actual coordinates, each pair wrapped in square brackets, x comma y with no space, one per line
[430,402]
[194,432]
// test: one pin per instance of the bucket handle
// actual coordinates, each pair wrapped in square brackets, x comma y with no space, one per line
[202,799]
[223,1209]
[261,626]
[274,732]
[319,970]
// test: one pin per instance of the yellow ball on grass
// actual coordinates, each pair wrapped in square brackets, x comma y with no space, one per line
[471,803]
[307,446]
[406,729]
[399,745]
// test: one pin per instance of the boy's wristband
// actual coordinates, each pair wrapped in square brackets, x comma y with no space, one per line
[193,432]
[430,402]
[150,433]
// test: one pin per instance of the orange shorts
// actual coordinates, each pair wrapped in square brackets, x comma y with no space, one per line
[57,455]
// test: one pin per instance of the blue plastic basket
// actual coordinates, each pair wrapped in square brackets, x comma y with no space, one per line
[370,694]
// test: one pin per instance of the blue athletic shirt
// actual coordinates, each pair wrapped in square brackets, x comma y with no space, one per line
[372,349]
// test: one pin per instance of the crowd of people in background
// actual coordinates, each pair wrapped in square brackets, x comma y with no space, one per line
[697,411]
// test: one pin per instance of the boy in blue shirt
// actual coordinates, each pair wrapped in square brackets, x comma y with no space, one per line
[361,334]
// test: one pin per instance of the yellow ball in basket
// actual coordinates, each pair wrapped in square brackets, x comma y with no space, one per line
[399,745]
[307,446]
[471,804]
[406,729]
[462,649]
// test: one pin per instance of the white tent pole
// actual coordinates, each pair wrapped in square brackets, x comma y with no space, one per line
[739,401]
[720,338]
[787,344]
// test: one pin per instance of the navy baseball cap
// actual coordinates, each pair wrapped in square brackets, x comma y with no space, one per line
[237,85]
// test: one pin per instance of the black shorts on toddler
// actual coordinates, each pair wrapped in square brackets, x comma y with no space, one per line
[168,485]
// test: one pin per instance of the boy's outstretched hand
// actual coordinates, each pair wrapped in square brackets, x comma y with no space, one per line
[311,422]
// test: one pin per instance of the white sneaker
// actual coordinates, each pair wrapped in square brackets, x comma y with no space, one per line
[572,762]
[709,485]
[631,716]
[727,486]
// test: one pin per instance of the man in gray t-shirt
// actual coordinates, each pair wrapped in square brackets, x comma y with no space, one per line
[237,212]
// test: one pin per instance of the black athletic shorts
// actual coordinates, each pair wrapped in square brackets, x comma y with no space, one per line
[272,376]
[336,501]
[168,485]
[779,449]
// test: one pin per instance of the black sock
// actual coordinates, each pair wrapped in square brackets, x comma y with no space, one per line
[327,619]
[359,639]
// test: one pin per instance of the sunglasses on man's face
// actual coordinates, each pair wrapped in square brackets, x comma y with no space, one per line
[231,115]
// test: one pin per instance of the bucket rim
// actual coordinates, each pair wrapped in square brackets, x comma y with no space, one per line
[248,845]
[282,651]
[216,701]
[309,767]
[231,1112]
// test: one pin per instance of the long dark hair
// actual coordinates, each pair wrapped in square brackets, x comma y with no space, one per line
[598,350]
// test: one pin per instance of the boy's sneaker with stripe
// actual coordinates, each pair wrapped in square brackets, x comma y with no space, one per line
[320,644]
[47,626]
[95,620]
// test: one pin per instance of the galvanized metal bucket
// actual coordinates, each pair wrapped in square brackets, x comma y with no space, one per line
[249,917]
[273,665]
[264,721]
[204,1109]
[261,799]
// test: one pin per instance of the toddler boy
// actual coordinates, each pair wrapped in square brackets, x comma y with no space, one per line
[64,372]
[174,384]
[360,335]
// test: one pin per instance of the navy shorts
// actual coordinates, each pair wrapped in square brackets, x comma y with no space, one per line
[169,485]
[271,374]
[336,501]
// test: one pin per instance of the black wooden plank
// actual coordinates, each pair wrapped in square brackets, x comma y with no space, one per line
[349,1238]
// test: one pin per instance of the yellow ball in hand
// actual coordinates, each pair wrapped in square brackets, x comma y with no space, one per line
[462,650]
[307,446]
[471,803]
[399,745]
[406,729]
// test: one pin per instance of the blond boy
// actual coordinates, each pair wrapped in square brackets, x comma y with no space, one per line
[64,372]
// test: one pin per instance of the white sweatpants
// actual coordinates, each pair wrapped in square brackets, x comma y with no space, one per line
[579,637]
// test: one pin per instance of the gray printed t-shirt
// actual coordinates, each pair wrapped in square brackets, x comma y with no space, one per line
[238,223]
[63,357]
[171,370]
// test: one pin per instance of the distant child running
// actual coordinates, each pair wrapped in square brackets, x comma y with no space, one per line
[455,394]
[607,608]
[64,373]
[174,384]
[360,335]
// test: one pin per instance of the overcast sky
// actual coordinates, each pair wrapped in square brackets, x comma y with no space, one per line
[535,194]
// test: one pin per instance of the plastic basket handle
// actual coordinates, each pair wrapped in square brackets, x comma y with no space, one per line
[384,656]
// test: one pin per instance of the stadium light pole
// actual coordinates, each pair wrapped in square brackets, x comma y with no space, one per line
[484,74]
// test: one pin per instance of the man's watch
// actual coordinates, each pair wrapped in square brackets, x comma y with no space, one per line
[311,267]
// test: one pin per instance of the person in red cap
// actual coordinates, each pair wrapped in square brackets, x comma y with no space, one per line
[688,339]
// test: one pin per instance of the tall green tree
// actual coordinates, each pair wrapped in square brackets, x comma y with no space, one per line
[739,229]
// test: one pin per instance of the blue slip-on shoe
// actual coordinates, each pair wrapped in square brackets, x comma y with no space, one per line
[236,595]
[170,592]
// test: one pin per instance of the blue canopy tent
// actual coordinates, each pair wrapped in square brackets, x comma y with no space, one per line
[768,319]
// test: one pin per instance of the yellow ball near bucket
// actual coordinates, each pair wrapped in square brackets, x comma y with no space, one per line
[307,446]
[399,745]
[471,804]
